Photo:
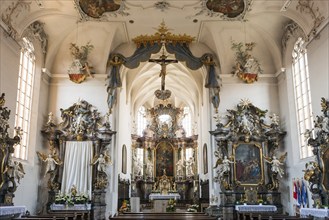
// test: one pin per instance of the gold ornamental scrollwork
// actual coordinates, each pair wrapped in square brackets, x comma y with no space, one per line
[162,36]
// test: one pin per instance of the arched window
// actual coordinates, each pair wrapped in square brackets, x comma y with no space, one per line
[186,122]
[302,95]
[24,96]
[141,120]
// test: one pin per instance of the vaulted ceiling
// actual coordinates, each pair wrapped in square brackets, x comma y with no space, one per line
[110,25]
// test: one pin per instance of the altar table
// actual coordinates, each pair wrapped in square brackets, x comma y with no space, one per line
[160,201]
[159,196]
[321,213]
[256,208]
[12,211]
[60,207]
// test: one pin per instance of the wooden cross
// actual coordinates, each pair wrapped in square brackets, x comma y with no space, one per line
[163,61]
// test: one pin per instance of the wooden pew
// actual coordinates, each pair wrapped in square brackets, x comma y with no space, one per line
[166,215]
[62,215]
[269,216]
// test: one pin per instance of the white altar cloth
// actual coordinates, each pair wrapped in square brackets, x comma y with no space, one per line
[159,196]
[12,210]
[321,213]
[74,207]
[256,208]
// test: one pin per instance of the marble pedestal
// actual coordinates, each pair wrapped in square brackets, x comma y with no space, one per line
[135,204]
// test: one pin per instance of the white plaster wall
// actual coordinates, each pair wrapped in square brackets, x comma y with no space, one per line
[64,93]
[9,67]
[263,94]
[318,60]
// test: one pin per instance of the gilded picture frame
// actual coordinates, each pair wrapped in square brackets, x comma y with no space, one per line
[325,165]
[248,164]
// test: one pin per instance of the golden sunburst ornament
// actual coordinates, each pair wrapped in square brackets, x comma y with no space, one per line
[245,103]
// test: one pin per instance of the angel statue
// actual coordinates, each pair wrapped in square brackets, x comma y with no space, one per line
[276,163]
[51,160]
[15,169]
[224,165]
[103,160]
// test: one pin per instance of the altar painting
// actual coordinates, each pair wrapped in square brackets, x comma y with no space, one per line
[248,164]
[325,165]
[164,159]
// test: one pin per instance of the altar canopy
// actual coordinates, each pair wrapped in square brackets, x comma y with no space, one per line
[77,169]
[148,45]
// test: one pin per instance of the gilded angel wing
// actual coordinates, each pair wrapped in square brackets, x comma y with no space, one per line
[107,158]
[218,162]
[42,156]
[283,157]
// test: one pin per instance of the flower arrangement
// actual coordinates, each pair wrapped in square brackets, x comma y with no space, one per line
[171,207]
[193,208]
[260,201]
[125,206]
[70,200]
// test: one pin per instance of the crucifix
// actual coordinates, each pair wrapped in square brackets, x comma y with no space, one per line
[163,61]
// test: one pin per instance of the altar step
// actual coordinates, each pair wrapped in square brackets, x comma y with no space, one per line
[163,215]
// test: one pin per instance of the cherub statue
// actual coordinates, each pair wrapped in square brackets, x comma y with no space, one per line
[51,160]
[224,165]
[103,160]
[73,190]
[276,163]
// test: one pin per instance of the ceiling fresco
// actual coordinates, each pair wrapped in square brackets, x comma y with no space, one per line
[231,8]
[96,9]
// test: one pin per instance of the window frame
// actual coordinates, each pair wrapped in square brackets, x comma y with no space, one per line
[24,99]
[302,96]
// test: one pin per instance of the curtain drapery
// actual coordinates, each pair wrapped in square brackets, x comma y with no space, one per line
[143,53]
[77,167]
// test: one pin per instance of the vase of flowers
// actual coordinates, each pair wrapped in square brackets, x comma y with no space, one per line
[193,208]
[171,207]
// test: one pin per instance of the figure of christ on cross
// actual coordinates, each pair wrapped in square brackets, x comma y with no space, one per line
[163,61]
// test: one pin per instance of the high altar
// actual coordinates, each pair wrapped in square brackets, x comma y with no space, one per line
[164,160]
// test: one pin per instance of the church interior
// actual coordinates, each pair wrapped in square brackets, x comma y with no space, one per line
[190,109]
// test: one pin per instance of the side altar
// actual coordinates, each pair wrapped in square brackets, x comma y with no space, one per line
[77,159]
[249,159]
